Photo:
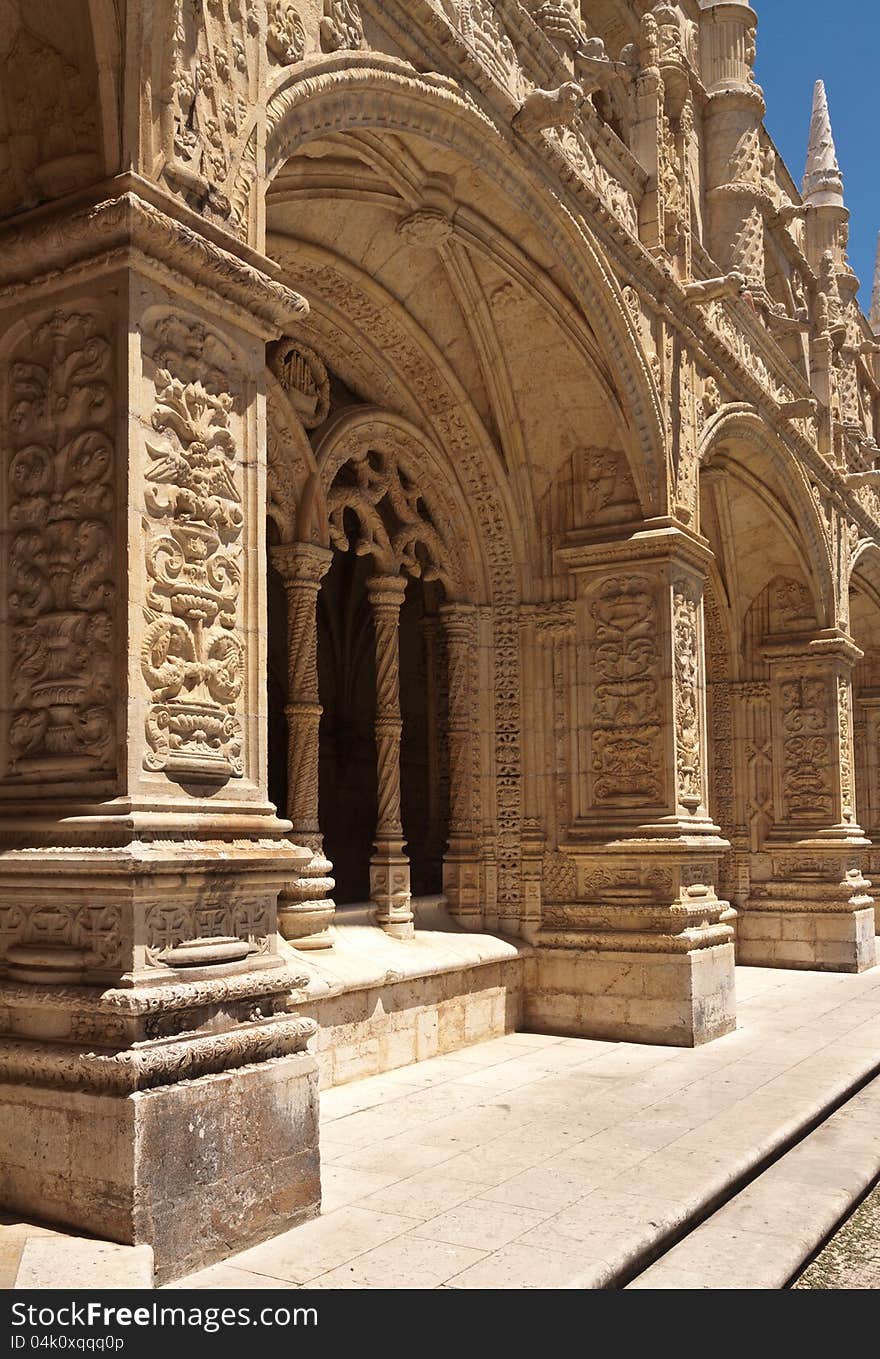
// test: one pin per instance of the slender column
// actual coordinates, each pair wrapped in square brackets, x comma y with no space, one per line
[389,866]
[809,904]
[461,878]
[305,910]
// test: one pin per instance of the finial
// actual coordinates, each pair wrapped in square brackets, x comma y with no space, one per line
[875,296]
[823,182]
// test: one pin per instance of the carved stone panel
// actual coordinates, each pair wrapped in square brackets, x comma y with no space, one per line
[192,651]
[59,473]
[628,763]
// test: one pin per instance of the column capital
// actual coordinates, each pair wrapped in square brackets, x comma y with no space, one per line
[831,644]
[386,591]
[651,541]
[301,563]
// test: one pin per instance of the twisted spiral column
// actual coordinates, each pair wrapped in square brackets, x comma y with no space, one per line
[305,910]
[461,875]
[389,866]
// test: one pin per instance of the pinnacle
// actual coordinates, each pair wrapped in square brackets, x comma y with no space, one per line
[823,182]
[875,296]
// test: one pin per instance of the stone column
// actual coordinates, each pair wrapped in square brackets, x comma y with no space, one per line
[159,1087]
[438,753]
[867,764]
[809,904]
[461,868]
[389,866]
[637,948]
[305,911]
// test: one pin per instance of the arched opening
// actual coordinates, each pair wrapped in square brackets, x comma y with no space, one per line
[347,685]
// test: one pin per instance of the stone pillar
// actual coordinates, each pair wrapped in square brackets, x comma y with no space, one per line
[809,905]
[160,1090]
[639,950]
[305,911]
[867,763]
[389,866]
[461,867]
[736,198]
[438,753]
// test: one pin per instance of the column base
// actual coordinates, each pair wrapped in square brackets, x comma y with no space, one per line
[391,895]
[305,911]
[682,999]
[197,1170]
[820,941]
[811,910]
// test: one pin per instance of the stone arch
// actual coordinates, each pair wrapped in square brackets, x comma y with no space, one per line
[294,500]
[801,519]
[370,337]
[373,91]
[415,454]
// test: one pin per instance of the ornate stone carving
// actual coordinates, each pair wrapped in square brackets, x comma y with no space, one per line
[806,749]
[210,103]
[687,646]
[627,755]
[192,650]
[286,34]
[304,377]
[389,866]
[396,525]
[60,479]
[341,26]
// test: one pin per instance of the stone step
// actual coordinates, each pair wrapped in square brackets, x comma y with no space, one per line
[765,1235]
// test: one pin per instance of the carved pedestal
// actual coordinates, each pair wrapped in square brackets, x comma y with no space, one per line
[637,948]
[146,1036]
[809,905]
[305,909]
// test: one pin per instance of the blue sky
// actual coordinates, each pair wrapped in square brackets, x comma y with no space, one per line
[800,41]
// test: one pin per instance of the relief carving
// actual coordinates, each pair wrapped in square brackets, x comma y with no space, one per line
[60,488]
[627,754]
[192,653]
[806,749]
[341,27]
[286,34]
[686,642]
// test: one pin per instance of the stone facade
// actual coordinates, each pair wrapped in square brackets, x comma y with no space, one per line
[439,455]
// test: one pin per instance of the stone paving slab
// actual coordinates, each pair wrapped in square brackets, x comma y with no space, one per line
[537,1162]
[764,1234]
[33,1256]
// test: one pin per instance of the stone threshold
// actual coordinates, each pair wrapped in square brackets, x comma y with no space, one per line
[767,1234]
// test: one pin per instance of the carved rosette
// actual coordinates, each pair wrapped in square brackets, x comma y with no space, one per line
[628,761]
[687,669]
[192,650]
[60,551]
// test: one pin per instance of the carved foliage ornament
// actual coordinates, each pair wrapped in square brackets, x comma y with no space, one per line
[60,475]
[209,99]
[688,702]
[286,35]
[192,654]
[627,754]
[341,27]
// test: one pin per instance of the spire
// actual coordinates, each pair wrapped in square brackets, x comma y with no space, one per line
[875,297]
[823,182]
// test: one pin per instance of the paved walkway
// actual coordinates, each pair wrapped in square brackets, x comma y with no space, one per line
[541,1162]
